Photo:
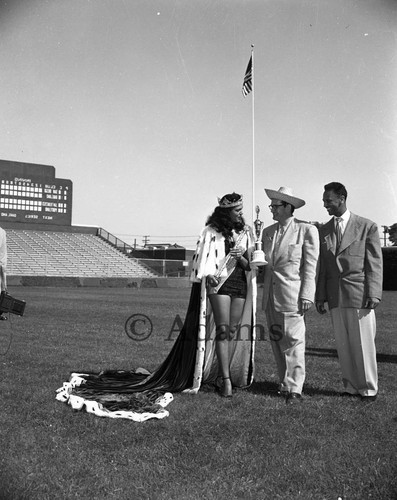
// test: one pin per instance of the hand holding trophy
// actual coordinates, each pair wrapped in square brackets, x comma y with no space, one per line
[258,257]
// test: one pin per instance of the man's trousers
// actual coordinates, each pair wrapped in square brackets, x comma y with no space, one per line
[355,331]
[287,336]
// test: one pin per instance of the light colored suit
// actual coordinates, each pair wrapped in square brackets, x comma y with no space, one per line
[292,265]
[289,276]
[347,278]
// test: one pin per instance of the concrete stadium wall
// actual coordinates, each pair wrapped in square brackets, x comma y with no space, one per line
[74,282]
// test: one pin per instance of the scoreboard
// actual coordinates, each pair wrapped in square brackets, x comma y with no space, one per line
[31,193]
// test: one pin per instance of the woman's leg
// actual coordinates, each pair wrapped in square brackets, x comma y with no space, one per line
[221,310]
[236,311]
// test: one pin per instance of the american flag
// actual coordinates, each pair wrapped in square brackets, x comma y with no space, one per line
[247,84]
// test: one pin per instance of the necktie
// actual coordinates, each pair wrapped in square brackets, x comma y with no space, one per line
[278,237]
[280,233]
[338,231]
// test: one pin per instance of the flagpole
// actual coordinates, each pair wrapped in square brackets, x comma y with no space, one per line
[258,256]
[253,135]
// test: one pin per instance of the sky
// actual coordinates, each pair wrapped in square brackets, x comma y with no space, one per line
[139,103]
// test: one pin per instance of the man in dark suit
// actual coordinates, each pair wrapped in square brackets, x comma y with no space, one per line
[350,280]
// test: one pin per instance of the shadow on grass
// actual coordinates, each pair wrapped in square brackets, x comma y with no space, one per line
[386,358]
[271,389]
[321,352]
[331,353]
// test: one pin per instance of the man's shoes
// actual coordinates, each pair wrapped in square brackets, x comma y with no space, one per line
[282,391]
[293,398]
[368,399]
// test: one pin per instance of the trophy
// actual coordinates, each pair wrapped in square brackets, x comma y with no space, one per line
[258,257]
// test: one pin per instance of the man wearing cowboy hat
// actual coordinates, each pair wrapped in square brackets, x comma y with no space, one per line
[291,247]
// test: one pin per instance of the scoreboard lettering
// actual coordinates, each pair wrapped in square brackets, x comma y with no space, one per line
[34,199]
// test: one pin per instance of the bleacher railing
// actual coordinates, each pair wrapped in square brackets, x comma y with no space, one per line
[116,242]
[168,268]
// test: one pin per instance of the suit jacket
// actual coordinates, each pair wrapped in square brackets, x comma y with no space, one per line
[292,267]
[356,268]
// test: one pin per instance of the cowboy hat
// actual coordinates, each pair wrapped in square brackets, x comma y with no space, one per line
[285,194]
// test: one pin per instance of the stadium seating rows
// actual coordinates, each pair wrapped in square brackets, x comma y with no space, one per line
[41,253]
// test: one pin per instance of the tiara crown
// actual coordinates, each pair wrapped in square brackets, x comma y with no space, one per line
[225,203]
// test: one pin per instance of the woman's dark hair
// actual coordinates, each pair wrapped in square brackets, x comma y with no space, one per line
[220,217]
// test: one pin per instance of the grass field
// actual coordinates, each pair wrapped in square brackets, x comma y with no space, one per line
[253,446]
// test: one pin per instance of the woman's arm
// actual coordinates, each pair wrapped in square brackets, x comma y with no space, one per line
[241,256]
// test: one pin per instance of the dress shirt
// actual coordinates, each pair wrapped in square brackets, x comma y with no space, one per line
[278,237]
[344,219]
[281,229]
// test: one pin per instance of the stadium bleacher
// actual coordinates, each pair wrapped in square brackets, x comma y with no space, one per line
[45,249]
[53,253]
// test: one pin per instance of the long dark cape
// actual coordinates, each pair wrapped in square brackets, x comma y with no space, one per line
[175,373]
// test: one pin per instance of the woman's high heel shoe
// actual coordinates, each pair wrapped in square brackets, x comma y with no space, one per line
[226,388]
